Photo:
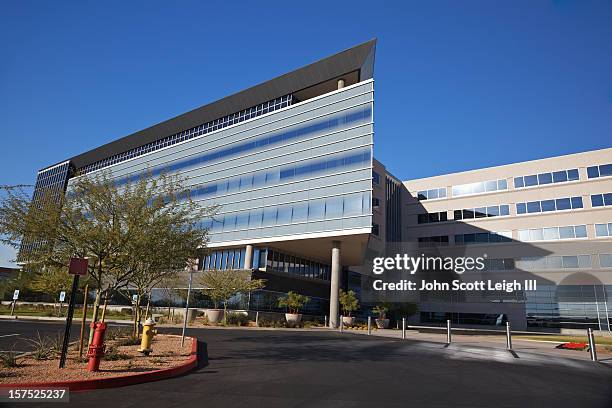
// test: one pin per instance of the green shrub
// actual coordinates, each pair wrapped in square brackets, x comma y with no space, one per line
[237,319]
[42,347]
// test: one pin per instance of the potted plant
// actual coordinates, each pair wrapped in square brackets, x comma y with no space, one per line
[349,303]
[293,302]
[221,285]
[382,322]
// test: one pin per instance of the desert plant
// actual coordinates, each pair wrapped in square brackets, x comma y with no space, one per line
[348,302]
[293,302]
[381,311]
[42,347]
[113,354]
[8,359]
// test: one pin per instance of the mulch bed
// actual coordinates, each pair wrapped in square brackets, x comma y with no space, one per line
[167,353]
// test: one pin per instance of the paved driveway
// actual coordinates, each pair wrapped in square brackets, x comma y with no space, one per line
[258,368]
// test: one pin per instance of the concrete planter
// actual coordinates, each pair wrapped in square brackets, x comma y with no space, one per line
[382,323]
[214,315]
[293,317]
[348,320]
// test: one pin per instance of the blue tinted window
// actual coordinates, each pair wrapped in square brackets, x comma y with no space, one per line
[491,185]
[502,184]
[576,202]
[548,205]
[316,210]
[605,170]
[376,177]
[518,182]
[493,211]
[352,205]
[563,204]
[533,207]
[284,215]
[597,200]
[422,195]
[504,209]
[531,180]
[431,194]
[559,176]
[580,231]
[333,207]
[608,198]
[593,172]
[572,174]
[269,216]
[544,178]
[521,208]
[300,213]
[442,192]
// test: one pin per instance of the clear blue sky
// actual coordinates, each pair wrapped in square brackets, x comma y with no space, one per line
[459,84]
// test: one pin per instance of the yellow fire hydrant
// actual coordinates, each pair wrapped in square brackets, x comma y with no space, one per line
[148,331]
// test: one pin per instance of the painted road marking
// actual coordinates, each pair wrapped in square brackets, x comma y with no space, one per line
[9,335]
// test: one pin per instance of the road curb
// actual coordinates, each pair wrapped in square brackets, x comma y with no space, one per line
[120,381]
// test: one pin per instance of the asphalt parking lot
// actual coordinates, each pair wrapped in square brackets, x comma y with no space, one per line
[265,368]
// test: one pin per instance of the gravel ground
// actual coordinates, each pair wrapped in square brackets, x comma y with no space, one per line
[167,353]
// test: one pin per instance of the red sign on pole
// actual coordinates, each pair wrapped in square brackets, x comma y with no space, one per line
[78,266]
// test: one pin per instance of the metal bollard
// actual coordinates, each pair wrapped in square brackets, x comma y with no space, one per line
[325,321]
[592,348]
[341,324]
[448,332]
[508,336]
[257,319]
[369,325]
[403,328]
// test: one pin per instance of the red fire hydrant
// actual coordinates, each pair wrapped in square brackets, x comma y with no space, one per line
[96,349]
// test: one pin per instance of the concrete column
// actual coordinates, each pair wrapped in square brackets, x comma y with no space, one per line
[341,83]
[248,257]
[336,268]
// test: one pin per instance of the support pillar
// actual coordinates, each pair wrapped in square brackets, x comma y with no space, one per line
[336,268]
[248,257]
[341,83]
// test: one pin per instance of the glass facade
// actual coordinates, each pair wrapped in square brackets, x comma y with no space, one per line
[305,169]
[601,200]
[208,127]
[432,194]
[277,261]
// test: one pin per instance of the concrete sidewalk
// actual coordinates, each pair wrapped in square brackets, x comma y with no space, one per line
[519,346]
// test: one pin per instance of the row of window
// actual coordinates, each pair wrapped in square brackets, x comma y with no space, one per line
[259,143]
[479,187]
[603,230]
[602,170]
[519,182]
[600,200]
[295,265]
[552,233]
[263,178]
[432,217]
[559,204]
[230,259]
[482,212]
[483,238]
[432,194]
[208,127]
[546,178]
[438,240]
[554,262]
[314,210]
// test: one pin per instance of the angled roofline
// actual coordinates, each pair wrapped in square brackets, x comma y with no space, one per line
[356,59]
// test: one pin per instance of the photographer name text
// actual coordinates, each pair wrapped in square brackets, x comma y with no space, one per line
[457,285]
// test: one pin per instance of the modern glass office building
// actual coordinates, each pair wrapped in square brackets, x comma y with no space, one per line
[289,162]
[302,201]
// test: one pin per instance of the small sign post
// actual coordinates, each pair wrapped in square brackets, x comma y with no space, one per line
[62,297]
[78,268]
[15,297]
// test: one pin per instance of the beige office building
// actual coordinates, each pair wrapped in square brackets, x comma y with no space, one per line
[548,219]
